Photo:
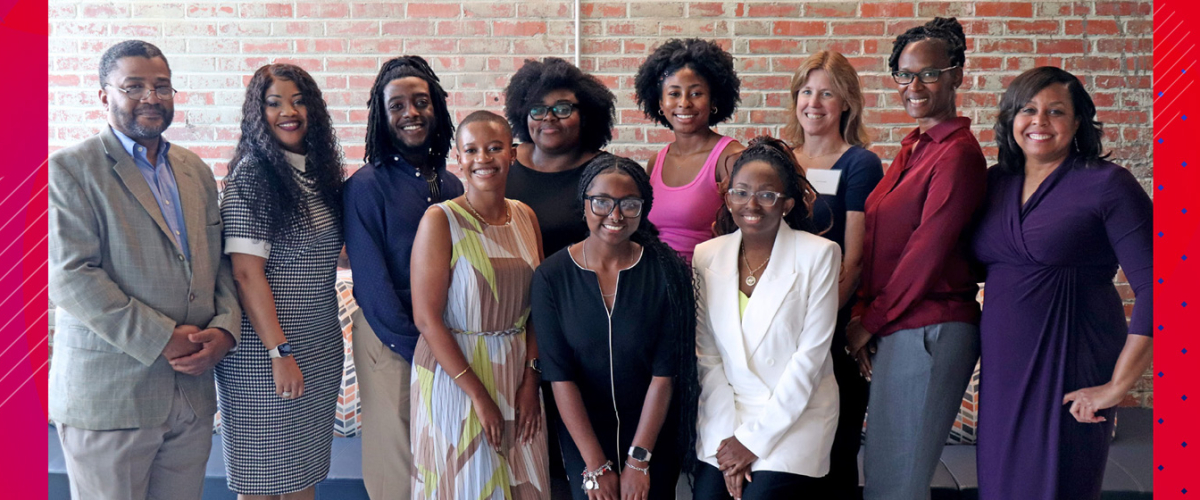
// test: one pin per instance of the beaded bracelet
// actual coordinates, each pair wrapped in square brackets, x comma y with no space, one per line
[589,478]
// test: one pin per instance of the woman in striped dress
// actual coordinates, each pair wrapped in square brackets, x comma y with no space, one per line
[282,212]
[476,411]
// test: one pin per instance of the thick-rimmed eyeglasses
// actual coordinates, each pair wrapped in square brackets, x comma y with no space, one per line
[140,93]
[739,196]
[926,75]
[604,205]
[561,109]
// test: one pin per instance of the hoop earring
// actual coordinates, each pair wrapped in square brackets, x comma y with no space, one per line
[714,110]
[660,113]
[1077,144]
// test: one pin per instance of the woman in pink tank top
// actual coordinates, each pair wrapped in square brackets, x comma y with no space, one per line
[689,86]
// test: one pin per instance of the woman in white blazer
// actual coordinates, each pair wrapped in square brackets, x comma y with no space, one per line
[766,307]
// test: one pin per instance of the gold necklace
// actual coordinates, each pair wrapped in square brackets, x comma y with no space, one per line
[751,280]
[507,213]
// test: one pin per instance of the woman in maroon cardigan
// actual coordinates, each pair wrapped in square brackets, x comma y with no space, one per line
[918,328]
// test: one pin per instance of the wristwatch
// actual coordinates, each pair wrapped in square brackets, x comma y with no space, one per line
[535,365]
[640,454]
[280,351]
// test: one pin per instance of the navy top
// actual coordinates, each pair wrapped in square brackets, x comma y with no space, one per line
[384,203]
[861,171]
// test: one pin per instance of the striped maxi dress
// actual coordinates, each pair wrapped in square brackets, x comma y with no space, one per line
[487,308]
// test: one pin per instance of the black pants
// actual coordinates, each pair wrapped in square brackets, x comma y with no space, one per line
[853,389]
[764,485]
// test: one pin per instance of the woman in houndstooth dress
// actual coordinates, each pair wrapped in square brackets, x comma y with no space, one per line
[281,209]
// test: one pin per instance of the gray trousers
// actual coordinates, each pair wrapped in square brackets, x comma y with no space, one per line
[383,388]
[161,462]
[917,384]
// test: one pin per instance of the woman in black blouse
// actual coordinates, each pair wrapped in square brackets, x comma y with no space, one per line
[617,311]
[563,118]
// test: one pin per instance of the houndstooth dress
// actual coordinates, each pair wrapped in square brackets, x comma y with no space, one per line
[275,446]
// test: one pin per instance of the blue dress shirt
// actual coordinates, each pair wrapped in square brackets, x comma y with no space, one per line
[384,203]
[161,178]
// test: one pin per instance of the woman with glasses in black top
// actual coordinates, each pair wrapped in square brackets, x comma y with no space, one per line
[615,320]
[563,117]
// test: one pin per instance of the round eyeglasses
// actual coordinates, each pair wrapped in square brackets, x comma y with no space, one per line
[926,75]
[738,196]
[604,205]
[140,93]
[561,109]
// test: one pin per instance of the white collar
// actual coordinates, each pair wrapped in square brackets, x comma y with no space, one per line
[295,160]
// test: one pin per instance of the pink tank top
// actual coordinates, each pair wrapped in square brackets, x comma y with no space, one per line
[684,215]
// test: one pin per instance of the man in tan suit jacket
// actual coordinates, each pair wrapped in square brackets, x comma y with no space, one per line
[146,300]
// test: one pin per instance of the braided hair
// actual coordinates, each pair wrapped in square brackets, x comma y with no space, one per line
[258,163]
[775,153]
[946,29]
[380,143]
[681,299]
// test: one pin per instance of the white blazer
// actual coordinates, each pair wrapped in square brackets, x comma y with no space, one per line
[767,378]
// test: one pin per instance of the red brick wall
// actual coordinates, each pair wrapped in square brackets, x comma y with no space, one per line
[214,46]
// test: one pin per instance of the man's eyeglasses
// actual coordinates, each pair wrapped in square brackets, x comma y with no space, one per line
[738,196]
[561,109]
[140,93]
[604,205]
[926,75]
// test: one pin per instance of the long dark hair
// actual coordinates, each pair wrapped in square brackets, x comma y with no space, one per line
[1087,144]
[258,163]
[379,135]
[681,297]
[776,154]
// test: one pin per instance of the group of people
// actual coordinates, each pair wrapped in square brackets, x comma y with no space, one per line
[549,315]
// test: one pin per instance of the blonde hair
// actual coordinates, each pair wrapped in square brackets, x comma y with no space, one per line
[845,84]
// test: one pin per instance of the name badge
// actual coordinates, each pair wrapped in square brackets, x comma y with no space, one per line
[824,180]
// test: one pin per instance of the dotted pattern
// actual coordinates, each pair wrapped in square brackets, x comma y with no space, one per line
[1176,230]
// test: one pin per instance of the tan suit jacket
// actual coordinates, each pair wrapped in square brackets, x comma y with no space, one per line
[122,284]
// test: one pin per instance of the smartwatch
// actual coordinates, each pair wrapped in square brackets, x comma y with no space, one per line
[640,454]
[280,351]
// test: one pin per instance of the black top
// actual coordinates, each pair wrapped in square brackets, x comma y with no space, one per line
[861,171]
[578,341]
[553,198]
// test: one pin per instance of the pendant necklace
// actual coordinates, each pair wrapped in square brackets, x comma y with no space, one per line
[750,279]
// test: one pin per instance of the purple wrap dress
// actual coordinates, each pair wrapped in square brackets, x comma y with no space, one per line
[1053,322]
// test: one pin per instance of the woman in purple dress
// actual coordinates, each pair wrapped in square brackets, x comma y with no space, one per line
[1056,353]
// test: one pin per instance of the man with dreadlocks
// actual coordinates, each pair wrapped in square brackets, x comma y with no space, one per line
[409,130]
